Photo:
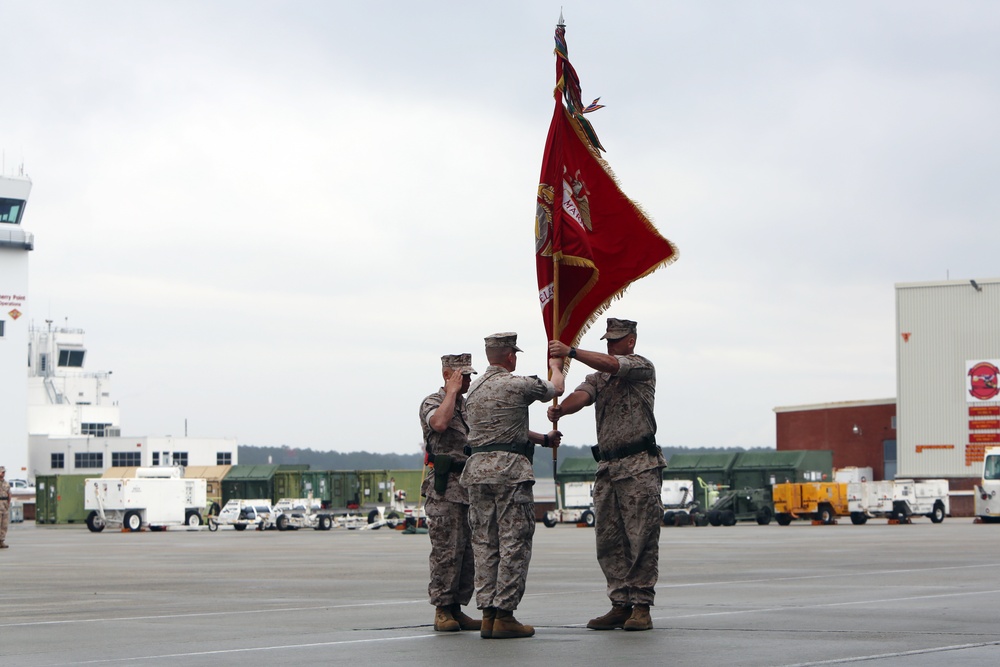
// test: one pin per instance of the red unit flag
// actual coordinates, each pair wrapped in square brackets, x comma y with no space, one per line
[591,241]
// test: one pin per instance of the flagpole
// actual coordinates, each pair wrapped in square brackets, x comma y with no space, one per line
[555,334]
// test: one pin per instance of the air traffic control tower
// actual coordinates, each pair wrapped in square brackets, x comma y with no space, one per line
[15,244]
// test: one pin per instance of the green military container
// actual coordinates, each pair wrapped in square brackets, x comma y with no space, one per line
[249,482]
[287,482]
[710,468]
[317,483]
[373,487]
[408,481]
[764,468]
[578,469]
[59,498]
[343,485]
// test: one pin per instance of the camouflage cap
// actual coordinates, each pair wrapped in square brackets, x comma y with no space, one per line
[506,339]
[458,362]
[619,329]
[2,469]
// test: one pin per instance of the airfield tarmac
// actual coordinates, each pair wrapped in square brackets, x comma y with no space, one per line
[912,595]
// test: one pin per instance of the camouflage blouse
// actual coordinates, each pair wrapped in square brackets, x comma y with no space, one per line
[498,414]
[451,442]
[624,411]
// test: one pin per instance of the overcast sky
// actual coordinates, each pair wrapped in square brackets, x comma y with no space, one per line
[272,219]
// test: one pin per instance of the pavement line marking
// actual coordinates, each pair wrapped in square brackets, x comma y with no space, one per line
[825,604]
[900,654]
[211,613]
[194,654]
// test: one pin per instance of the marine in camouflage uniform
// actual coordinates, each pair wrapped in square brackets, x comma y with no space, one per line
[442,419]
[4,506]
[627,505]
[500,479]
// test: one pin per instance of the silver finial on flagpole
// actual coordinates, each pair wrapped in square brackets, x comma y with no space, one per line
[561,23]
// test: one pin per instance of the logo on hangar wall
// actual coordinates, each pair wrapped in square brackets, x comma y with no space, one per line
[984,380]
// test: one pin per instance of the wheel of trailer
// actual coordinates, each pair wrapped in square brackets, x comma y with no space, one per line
[715,517]
[764,515]
[282,522]
[192,519]
[826,515]
[393,519]
[132,521]
[548,521]
[240,526]
[325,522]
[859,518]
[937,514]
[212,524]
[700,519]
[94,522]
[668,518]
[783,519]
[373,517]
[728,518]
[588,519]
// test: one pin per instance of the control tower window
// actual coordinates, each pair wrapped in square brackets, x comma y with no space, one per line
[11,210]
[71,358]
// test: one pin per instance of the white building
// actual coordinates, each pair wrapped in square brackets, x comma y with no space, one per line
[15,244]
[74,427]
[948,376]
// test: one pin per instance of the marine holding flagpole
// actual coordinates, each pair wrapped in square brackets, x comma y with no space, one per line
[591,243]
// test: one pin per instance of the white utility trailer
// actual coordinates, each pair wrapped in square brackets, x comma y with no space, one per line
[578,508]
[156,498]
[898,500]
[987,500]
[680,504]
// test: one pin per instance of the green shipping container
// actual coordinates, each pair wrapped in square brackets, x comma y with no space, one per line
[287,484]
[343,486]
[711,468]
[59,498]
[409,482]
[316,482]
[762,469]
[249,482]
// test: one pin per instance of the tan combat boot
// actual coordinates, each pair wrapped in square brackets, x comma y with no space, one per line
[444,621]
[465,622]
[613,619]
[507,627]
[489,617]
[639,620]
[3,545]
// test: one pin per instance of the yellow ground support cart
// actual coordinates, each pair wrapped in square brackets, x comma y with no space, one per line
[819,501]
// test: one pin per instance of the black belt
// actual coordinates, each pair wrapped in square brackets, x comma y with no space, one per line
[526,449]
[4,497]
[645,445]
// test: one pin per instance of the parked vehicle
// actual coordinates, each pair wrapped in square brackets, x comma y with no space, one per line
[742,505]
[681,506]
[898,500]
[242,513]
[987,499]
[295,513]
[578,507]
[144,501]
[819,501]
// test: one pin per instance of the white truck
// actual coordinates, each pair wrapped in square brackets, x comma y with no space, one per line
[578,506]
[156,498]
[987,499]
[898,500]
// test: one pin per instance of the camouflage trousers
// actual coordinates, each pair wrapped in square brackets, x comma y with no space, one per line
[4,519]
[502,517]
[628,514]
[451,560]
